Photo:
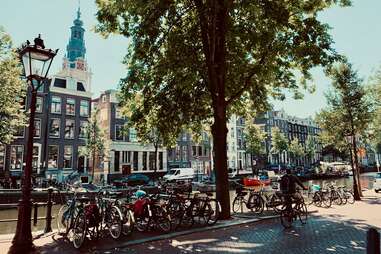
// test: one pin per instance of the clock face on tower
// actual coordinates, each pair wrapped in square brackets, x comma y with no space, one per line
[80,65]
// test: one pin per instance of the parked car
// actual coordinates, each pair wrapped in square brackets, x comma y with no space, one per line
[377,183]
[131,180]
[178,174]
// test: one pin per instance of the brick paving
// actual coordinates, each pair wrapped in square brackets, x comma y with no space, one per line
[340,229]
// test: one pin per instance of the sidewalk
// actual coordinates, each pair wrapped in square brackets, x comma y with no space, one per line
[340,229]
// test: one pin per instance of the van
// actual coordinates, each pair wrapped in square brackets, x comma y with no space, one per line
[176,174]
[377,182]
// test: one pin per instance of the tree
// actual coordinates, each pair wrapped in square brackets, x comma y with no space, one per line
[347,116]
[95,142]
[279,143]
[12,89]
[296,149]
[147,125]
[310,148]
[254,140]
[199,61]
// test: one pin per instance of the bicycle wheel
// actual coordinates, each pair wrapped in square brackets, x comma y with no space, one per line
[79,229]
[142,223]
[336,198]
[175,210]
[286,219]
[63,220]
[277,203]
[115,222]
[343,198]
[317,199]
[128,222]
[326,200]
[302,213]
[214,211]
[187,219]
[350,197]
[256,203]
[238,205]
[163,219]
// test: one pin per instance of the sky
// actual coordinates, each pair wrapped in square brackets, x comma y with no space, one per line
[355,31]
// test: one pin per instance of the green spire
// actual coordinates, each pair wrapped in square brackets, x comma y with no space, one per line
[76,46]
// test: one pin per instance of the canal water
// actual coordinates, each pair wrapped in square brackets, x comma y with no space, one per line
[10,227]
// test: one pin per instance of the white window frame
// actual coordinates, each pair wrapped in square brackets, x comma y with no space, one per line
[116,125]
[80,108]
[59,128]
[37,120]
[73,121]
[73,100]
[71,159]
[42,104]
[22,158]
[58,155]
[51,105]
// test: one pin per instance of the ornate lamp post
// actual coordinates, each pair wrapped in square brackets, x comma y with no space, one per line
[36,62]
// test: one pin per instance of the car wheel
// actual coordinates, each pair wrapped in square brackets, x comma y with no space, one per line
[376,191]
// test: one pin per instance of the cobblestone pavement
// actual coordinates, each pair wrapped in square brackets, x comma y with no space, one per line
[319,235]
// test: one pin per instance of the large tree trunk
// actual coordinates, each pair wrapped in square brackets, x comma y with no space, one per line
[220,131]
[355,181]
[357,170]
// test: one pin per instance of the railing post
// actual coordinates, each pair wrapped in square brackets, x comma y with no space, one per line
[372,241]
[48,226]
[35,206]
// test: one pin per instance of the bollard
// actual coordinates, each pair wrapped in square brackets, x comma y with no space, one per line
[372,241]
[48,226]
[35,206]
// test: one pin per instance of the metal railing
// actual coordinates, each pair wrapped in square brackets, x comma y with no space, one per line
[35,205]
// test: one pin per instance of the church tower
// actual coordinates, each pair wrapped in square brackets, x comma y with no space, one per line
[74,64]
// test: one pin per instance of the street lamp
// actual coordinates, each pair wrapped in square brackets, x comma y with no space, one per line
[36,62]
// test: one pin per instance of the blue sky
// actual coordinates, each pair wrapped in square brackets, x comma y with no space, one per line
[355,31]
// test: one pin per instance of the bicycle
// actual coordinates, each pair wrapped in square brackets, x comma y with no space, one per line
[204,208]
[298,210]
[262,199]
[111,217]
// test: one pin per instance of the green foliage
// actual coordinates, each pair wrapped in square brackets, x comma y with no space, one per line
[296,149]
[279,143]
[12,89]
[350,108]
[254,139]
[95,139]
[310,146]
[175,55]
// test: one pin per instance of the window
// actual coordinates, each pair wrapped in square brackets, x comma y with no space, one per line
[152,161]
[84,109]
[118,113]
[56,105]
[126,156]
[82,129]
[52,156]
[2,158]
[70,107]
[135,161]
[69,128]
[178,158]
[132,134]
[194,151]
[199,150]
[54,130]
[68,156]
[17,157]
[184,153]
[118,132]
[117,161]
[160,160]
[36,158]
[144,160]
[39,104]
[184,137]
[37,128]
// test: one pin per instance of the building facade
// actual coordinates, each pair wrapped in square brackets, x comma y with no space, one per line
[125,154]
[62,110]
[292,127]
[190,154]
